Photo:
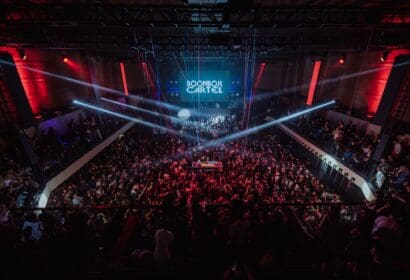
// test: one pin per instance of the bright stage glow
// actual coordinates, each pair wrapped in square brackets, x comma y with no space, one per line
[254,129]
[184,114]
[142,122]
[258,128]
[217,119]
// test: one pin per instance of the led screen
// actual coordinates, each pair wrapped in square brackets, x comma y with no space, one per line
[205,86]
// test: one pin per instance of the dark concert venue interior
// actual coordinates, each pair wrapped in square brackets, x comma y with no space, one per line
[204,139]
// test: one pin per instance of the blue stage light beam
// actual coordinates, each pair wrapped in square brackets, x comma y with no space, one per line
[165,105]
[237,135]
[258,128]
[156,114]
[141,122]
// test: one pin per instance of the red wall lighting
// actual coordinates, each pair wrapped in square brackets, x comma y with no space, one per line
[313,82]
[377,86]
[34,83]
[124,78]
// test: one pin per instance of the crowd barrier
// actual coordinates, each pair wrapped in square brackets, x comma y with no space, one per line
[330,167]
[75,166]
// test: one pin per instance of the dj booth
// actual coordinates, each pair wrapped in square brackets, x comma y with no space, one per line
[207,164]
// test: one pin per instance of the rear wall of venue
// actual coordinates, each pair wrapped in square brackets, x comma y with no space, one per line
[347,86]
[360,81]
[48,93]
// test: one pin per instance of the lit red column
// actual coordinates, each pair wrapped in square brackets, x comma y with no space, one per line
[124,78]
[313,82]
[248,104]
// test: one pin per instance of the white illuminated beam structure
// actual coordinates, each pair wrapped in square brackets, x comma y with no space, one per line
[335,164]
[142,122]
[156,114]
[103,88]
[61,177]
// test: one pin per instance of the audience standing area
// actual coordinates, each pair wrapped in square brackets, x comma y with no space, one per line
[223,139]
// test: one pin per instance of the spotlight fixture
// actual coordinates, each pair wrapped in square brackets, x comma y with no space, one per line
[384,56]
[22,54]
[342,59]
[64,58]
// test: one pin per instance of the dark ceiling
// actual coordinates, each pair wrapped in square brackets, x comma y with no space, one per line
[166,27]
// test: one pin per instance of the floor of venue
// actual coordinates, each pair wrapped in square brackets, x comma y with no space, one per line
[238,218]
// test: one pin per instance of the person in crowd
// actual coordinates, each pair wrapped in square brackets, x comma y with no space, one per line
[163,241]
[6,218]
[402,176]
[20,181]
[34,226]
[347,142]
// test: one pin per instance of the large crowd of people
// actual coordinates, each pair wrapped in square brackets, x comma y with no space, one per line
[142,201]
[21,180]
[143,205]
[355,148]
[55,151]
[18,183]
[343,140]
[139,169]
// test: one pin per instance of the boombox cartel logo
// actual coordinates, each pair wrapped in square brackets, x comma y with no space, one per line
[205,86]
